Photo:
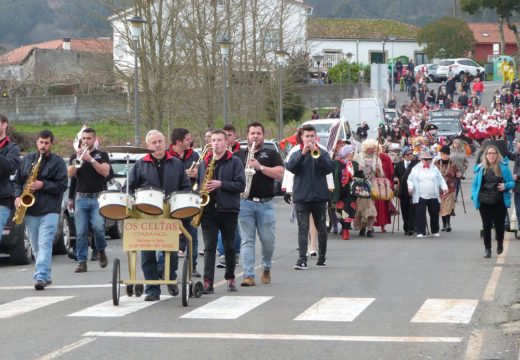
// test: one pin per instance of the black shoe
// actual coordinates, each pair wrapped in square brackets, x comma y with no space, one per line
[443,228]
[500,249]
[152,298]
[173,290]
[300,265]
[321,262]
[362,232]
[195,273]
[39,285]
[369,233]
[48,283]
[103,260]
[95,255]
[208,288]
[487,253]
[448,229]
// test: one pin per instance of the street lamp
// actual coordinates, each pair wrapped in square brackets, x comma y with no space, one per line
[392,39]
[225,45]
[384,57]
[136,27]
[281,58]
[349,57]
[318,59]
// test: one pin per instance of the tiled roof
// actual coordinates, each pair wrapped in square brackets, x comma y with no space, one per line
[491,29]
[17,56]
[366,29]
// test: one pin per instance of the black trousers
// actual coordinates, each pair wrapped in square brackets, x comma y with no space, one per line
[493,215]
[407,212]
[212,221]
[434,208]
[318,210]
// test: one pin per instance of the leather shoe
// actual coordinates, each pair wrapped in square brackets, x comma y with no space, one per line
[82,267]
[39,285]
[152,298]
[248,281]
[500,249]
[362,232]
[95,255]
[487,253]
[103,260]
[173,289]
[266,277]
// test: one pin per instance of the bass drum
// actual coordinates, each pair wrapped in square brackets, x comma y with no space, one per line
[149,201]
[184,204]
[115,205]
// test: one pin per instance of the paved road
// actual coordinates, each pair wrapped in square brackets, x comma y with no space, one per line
[390,297]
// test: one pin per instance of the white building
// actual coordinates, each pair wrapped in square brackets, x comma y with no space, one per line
[368,40]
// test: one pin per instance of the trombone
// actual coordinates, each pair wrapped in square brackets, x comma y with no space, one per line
[78,162]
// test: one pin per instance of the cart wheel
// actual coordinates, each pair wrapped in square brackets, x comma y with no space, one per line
[198,287]
[185,281]
[130,290]
[116,281]
[138,290]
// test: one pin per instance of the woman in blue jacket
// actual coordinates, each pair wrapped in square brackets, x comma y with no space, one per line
[490,192]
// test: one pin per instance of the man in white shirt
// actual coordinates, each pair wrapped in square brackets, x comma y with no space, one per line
[424,185]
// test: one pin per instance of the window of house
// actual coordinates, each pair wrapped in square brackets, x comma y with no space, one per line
[331,58]
[376,57]
[421,58]
[271,40]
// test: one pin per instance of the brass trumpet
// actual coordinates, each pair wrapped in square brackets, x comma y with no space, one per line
[315,152]
[78,162]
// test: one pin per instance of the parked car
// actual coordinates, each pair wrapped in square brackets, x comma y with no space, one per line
[15,242]
[457,68]
[430,70]
[448,122]
[391,115]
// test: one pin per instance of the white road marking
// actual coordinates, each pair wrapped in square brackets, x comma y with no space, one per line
[456,311]
[336,309]
[65,349]
[227,307]
[57,287]
[474,345]
[489,292]
[127,305]
[296,337]
[28,304]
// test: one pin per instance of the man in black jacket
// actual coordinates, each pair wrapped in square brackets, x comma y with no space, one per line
[9,163]
[310,192]
[41,219]
[221,213]
[158,170]
[401,172]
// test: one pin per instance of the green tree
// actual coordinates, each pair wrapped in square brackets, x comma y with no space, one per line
[339,73]
[505,10]
[446,37]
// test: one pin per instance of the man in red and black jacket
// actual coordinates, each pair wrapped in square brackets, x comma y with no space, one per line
[221,213]
[162,171]
[9,163]
[181,148]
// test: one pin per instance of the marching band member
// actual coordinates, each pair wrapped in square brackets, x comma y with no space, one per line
[90,167]
[41,219]
[221,213]
[310,166]
[257,211]
[158,170]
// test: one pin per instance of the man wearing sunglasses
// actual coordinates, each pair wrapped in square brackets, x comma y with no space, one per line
[401,173]
[425,183]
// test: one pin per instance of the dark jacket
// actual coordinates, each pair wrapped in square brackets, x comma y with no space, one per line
[189,158]
[53,173]
[310,176]
[9,162]
[402,174]
[144,174]
[231,173]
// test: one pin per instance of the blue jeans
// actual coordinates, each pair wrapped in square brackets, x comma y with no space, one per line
[237,242]
[253,216]
[517,207]
[41,231]
[4,216]
[87,211]
[511,142]
[151,272]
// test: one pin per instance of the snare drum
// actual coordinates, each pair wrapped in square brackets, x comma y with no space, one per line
[184,204]
[149,201]
[113,204]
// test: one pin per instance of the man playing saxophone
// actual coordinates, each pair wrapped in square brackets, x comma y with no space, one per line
[257,211]
[47,184]
[221,213]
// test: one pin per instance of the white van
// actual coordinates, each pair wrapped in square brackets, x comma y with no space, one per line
[323,126]
[356,111]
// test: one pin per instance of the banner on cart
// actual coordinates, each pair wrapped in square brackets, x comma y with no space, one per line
[151,234]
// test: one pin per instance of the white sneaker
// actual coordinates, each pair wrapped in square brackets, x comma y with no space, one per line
[420,235]
[436,235]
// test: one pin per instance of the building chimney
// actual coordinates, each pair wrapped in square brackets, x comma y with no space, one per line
[66,44]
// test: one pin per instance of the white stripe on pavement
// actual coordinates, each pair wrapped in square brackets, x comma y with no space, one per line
[28,304]
[127,305]
[50,287]
[227,307]
[335,309]
[241,336]
[457,311]
[68,348]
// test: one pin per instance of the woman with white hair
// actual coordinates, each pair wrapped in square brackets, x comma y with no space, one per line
[370,166]
[345,170]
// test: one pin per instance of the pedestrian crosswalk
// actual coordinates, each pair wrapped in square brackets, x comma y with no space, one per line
[327,309]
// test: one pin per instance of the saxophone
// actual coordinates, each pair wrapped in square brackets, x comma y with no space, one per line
[204,193]
[249,171]
[27,198]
